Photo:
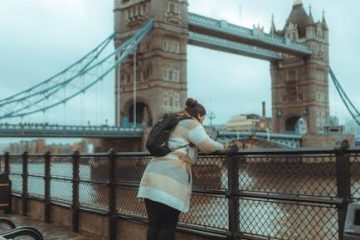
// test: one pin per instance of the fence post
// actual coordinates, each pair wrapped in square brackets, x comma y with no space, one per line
[233,188]
[7,164]
[343,183]
[25,175]
[112,195]
[47,178]
[7,174]
[75,192]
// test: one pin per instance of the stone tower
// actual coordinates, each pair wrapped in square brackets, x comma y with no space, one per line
[300,85]
[160,65]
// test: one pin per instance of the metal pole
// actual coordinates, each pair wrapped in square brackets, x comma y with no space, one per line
[7,173]
[134,89]
[25,175]
[112,195]
[343,184]
[117,95]
[47,178]
[75,198]
[233,188]
[7,164]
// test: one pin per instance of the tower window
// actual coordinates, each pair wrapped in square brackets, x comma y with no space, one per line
[171,75]
[171,46]
[173,8]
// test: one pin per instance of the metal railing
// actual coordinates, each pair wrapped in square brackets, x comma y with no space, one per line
[263,194]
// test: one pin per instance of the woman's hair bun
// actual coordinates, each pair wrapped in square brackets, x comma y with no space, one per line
[190,102]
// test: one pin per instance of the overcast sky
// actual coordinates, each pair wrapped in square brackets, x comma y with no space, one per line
[38,38]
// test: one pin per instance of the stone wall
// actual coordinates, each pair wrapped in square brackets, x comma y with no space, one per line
[95,223]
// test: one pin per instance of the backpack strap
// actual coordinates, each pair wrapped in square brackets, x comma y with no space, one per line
[182,117]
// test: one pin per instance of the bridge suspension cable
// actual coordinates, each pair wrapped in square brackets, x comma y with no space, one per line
[44,96]
[354,112]
[67,73]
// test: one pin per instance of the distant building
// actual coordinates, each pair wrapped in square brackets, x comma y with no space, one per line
[243,122]
[38,146]
[250,122]
[333,126]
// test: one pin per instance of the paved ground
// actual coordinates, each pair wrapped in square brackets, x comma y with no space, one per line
[50,232]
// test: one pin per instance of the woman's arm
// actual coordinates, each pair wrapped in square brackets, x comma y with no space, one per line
[198,136]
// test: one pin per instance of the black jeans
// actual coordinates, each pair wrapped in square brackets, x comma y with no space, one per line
[162,221]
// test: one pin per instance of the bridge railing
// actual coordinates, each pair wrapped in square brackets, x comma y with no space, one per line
[12,130]
[272,194]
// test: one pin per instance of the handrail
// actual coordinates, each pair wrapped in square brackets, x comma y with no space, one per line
[8,222]
[22,231]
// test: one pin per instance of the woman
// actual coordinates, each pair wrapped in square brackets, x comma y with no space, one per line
[166,183]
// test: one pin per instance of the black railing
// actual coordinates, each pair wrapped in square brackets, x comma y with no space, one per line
[271,194]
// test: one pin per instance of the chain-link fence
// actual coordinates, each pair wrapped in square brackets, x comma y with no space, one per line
[289,194]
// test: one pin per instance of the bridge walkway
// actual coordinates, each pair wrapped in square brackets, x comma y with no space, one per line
[50,231]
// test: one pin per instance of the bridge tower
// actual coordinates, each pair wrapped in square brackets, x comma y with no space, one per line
[300,85]
[160,65]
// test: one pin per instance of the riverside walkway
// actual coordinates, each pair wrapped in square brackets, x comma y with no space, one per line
[50,231]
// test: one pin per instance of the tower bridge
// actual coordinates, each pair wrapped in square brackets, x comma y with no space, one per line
[298,56]
[150,57]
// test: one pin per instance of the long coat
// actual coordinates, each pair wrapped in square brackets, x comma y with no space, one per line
[167,179]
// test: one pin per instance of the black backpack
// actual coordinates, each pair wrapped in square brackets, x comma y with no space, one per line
[157,141]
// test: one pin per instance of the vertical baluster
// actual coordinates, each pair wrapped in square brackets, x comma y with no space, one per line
[233,188]
[47,178]
[112,195]
[75,194]
[343,184]
[25,175]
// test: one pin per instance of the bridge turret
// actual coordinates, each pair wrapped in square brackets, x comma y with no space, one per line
[272,28]
[325,28]
[160,66]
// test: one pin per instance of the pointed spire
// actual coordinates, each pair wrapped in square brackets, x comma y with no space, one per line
[272,28]
[297,2]
[311,19]
[323,22]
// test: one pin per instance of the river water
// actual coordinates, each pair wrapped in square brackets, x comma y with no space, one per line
[266,217]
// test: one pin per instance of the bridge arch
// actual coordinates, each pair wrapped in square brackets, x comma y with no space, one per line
[296,124]
[290,123]
[143,113]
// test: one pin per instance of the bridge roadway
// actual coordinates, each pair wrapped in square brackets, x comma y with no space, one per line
[105,131]
[286,140]
[54,130]
[221,35]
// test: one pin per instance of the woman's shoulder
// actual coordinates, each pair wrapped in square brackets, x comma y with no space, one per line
[189,123]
